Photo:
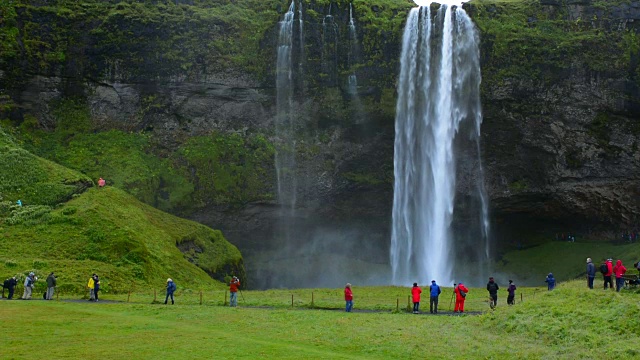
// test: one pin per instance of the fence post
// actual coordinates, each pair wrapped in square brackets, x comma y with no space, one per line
[129,295]
[200,297]
[398,304]
[520,297]
[312,303]
[155,297]
[291,300]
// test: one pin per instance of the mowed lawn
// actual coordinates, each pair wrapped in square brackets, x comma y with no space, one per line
[570,322]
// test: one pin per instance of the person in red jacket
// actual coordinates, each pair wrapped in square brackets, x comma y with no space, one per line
[101,182]
[619,271]
[461,293]
[415,293]
[348,297]
[607,275]
[233,291]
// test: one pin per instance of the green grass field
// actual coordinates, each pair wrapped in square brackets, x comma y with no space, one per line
[570,322]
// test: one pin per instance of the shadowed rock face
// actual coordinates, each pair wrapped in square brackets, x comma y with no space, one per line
[559,137]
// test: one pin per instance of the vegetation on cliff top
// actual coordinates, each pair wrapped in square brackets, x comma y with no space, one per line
[99,230]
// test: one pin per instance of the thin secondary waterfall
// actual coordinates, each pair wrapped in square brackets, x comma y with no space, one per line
[438,90]
[285,130]
[353,50]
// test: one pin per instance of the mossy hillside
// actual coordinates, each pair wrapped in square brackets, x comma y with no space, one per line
[34,180]
[528,41]
[204,170]
[130,244]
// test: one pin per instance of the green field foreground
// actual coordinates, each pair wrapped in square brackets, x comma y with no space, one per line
[570,322]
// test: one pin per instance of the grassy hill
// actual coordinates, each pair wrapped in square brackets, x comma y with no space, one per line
[68,226]
[570,322]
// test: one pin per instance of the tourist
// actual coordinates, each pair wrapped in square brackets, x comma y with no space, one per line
[96,287]
[434,292]
[101,183]
[415,293]
[492,288]
[609,272]
[512,293]
[91,285]
[591,273]
[551,282]
[11,284]
[461,295]
[171,288]
[619,271]
[233,290]
[28,286]
[348,297]
[19,203]
[51,285]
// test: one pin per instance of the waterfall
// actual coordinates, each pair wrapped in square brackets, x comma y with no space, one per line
[353,50]
[438,90]
[330,47]
[285,159]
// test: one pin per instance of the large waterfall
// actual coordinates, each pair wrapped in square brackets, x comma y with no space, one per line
[438,93]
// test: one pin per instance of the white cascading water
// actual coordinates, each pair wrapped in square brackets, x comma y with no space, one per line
[285,159]
[353,44]
[438,89]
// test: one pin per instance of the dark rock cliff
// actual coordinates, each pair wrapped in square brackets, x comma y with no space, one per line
[560,93]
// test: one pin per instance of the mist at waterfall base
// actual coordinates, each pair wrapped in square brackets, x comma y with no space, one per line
[438,119]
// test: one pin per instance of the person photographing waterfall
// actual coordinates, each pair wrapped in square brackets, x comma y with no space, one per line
[461,295]
[233,291]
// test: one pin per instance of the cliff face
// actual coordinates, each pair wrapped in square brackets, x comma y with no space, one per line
[187,94]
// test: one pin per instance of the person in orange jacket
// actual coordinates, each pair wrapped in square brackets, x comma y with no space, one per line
[461,294]
[415,293]
[233,291]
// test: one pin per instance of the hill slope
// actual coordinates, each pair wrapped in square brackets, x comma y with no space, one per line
[65,228]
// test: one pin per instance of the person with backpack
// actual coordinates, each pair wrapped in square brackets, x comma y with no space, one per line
[28,286]
[171,288]
[607,270]
[619,270]
[434,293]
[415,294]
[492,288]
[551,282]
[512,293]
[461,295]
[591,273]
[51,285]
[10,284]
[348,297]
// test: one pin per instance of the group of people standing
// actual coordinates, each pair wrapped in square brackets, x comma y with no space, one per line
[434,293]
[94,287]
[608,270]
[29,284]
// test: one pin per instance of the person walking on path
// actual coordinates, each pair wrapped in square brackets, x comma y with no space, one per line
[28,286]
[461,295]
[233,290]
[11,284]
[434,292]
[492,288]
[91,285]
[415,294]
[171,288]
[551,282]
[607,275]
[512,293]
[348,297]
[96,286]
[591,273]
[51,285]
[619,270]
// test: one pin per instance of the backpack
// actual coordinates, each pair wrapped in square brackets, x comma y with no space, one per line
[604,268]
[462,293]
[493,287]
[6,284]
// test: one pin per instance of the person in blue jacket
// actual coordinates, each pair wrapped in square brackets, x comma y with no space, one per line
[551,282]
[434,292]
[171,288]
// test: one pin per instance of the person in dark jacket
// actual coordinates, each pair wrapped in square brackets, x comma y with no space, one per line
[171,288]
[492,288]
[512,293]
[434,292]
[591,273]
[51,285]
[96,286]
[551,282]
[10,284]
